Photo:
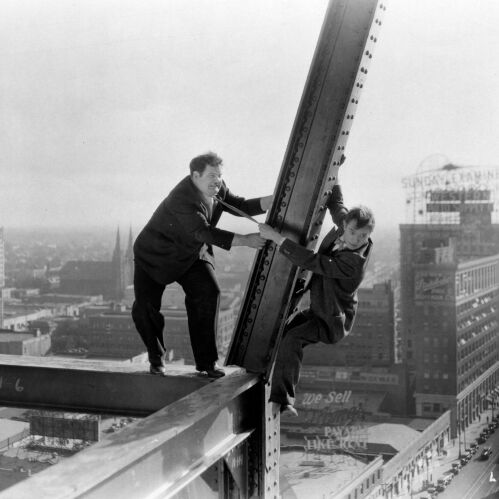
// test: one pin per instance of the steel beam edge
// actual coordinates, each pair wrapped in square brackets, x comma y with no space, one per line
[93,386]
[150,457]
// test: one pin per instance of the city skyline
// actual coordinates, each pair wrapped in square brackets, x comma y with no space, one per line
[105,103]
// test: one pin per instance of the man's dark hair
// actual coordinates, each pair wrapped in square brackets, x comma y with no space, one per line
[362,215]
[199,163]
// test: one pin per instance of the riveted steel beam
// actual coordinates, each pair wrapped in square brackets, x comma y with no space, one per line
[175,450]
[317,144]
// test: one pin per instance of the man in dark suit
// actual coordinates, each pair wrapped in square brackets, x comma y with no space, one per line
[337,271]
[177,245]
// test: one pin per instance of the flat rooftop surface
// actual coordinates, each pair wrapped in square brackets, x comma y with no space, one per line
[306,475]
[9,428]
[7,337]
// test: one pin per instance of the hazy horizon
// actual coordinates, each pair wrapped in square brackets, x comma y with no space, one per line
[109,232]
[104,103]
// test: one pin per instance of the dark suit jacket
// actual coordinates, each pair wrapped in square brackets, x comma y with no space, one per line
[172,239]
[336,274]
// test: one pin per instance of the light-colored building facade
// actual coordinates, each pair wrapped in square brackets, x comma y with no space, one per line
[15,343]
[177,339]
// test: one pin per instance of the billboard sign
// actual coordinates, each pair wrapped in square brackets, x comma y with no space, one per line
[434,286]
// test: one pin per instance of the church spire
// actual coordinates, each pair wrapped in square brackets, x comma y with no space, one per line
[128,264]
[129,249]
[117,247]
[117,265]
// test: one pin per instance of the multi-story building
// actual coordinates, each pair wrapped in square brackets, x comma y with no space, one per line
[100,332]
[375,390]
[177,339]
[63,305]
[24,343]
[104,331]
[2,274]
[450,289]
[457,352]
[113,334]
[371,342]
[18,316]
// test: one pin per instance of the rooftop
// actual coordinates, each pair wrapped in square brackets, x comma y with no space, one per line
[303,474]
[7,335]
[396,435]
[9,428]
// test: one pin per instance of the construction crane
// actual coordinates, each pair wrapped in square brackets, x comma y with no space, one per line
[218,439]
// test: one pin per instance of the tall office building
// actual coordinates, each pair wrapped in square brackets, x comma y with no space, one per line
[371,342]
[450,289]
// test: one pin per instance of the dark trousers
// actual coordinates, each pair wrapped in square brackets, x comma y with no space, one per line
[304,329]
[202,296]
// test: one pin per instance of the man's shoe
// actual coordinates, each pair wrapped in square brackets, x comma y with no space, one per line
[212,372]
[215,373]
[157,370]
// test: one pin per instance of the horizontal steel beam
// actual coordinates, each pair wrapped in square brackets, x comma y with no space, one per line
[152,457]
[92,386]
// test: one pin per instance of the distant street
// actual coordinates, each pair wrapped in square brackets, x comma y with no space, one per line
[478,479]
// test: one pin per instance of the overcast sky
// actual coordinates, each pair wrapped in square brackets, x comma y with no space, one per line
[104,102]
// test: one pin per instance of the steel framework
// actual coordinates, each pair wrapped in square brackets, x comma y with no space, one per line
[220,439]
[314,153]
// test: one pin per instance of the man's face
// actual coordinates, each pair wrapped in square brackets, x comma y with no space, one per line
[355,238]
[208,182]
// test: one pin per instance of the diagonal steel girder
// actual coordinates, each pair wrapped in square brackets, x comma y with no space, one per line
[317,144]
[164,454]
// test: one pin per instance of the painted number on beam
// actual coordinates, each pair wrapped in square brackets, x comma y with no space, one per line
[10,382]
